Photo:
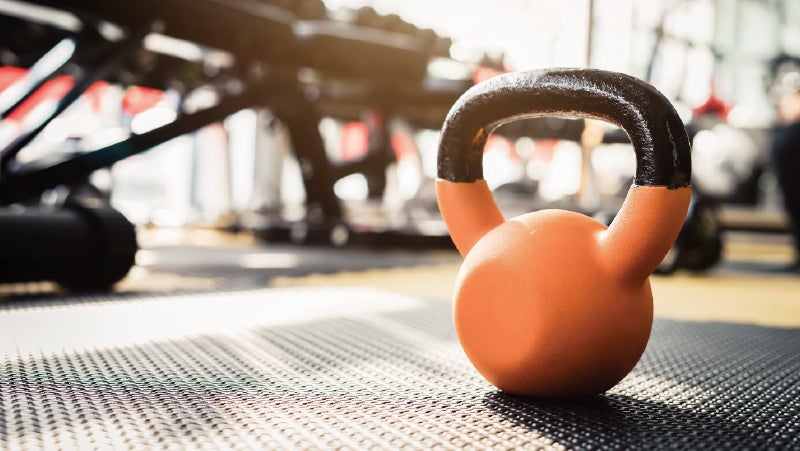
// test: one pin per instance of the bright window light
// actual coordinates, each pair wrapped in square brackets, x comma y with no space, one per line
[269,260]
[352,187]
[152,119]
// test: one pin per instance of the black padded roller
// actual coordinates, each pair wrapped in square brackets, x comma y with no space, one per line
[82,246]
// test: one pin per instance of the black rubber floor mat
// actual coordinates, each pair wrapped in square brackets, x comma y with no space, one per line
[355,368]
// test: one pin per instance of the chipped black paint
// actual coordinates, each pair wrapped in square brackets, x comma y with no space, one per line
[657,133]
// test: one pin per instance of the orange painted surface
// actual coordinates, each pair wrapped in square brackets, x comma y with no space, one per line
[469,211]
[50,91]
[353,140]
[140,98]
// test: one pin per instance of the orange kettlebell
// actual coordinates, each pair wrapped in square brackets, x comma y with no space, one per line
[554,303]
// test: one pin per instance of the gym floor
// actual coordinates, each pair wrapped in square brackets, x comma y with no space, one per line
[219,341]
[748,286]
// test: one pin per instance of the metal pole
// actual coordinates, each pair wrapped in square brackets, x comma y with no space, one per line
[16,187]
[41,71]
[589,34]
[110,59]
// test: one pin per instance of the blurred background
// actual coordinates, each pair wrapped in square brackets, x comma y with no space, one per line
[290,138]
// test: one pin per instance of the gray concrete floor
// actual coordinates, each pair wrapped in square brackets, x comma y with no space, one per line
[746,287]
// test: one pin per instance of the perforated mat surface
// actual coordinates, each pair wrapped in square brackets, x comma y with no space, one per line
[327,368]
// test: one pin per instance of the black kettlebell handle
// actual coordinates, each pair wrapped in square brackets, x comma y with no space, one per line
[659,138]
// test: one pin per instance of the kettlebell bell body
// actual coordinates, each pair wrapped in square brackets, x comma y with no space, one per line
[554,303]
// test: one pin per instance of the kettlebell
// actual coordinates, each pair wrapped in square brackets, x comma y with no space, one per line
[553,303]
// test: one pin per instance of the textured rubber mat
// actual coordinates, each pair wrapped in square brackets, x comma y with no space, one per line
[357,368]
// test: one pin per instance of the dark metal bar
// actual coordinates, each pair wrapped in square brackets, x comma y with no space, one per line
[38,74]
[379,155]
[106,61]
[302,120]
[17,187]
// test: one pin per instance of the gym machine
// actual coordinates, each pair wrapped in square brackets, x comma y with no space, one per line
[288,57]
[291,58]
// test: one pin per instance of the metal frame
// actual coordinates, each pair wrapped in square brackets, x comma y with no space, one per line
[276,86]
[108,57]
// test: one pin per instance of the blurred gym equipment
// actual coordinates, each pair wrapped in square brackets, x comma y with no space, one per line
[288,57]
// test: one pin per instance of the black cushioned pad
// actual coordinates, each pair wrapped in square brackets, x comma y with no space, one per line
[327,368]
